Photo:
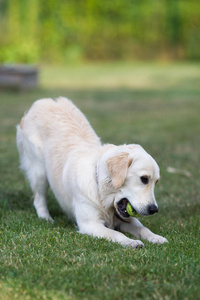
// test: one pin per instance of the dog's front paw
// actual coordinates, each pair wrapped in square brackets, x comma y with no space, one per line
[133,244]
[156,239]
[137,244]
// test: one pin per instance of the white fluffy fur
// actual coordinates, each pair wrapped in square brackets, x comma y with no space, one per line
[58,147]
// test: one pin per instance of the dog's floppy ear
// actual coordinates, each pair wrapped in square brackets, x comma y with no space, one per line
[118,167]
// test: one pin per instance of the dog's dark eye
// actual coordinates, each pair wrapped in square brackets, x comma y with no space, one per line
[144,179]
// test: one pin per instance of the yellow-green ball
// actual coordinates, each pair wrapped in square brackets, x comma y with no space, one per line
[130,211]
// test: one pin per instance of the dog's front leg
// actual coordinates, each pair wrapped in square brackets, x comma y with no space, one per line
[140,231]
[99,230]
[89,222]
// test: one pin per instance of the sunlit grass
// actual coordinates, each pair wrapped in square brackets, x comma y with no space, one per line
[125,75]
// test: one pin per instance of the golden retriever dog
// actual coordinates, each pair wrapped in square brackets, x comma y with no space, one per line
[92,182]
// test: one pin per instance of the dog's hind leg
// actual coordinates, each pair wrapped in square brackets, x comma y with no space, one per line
[39,185]
[32,164]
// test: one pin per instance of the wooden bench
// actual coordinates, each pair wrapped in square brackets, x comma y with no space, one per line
[20,77]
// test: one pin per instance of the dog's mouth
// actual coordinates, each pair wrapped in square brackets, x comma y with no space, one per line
[122,208]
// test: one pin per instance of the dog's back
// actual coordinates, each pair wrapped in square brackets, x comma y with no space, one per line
[56,126]
[46,117]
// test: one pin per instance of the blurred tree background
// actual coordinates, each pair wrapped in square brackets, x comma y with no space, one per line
[73,30]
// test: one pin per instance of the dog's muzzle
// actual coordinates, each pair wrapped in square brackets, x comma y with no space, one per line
[122,204]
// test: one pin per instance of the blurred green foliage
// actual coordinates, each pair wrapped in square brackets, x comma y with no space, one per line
[64,31]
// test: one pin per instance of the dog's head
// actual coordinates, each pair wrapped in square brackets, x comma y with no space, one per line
[128,174]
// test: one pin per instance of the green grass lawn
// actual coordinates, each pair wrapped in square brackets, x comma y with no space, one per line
[155,105]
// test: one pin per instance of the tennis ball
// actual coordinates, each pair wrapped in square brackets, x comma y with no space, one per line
[130,211]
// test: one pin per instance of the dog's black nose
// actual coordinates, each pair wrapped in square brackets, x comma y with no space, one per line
[152,209]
